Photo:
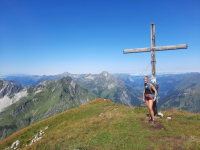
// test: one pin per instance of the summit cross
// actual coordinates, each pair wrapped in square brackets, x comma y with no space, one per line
[152,49]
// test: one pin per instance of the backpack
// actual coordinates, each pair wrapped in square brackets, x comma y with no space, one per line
[155,85]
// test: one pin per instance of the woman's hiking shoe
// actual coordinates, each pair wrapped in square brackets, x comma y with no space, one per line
[153,122]
[148,120]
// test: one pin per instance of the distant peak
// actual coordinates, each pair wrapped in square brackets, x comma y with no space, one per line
[66,73]
[105,73]
[89,74]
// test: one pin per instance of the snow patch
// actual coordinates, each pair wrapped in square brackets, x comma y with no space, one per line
[38,91]
[37,137]
[6,101]
[14,145]
[89,77]
[160,114]
[110,86]
[115,109]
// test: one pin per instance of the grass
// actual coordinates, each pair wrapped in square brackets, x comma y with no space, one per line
[123,128]
[35,107]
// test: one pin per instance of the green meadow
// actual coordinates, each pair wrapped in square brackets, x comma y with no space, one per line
[104,125]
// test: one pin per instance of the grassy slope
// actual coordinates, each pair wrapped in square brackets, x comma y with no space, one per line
[189,82]
[187,100]
[46,104]
[124,128]
[114,94]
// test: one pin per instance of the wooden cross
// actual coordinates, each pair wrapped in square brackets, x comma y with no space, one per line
[152,49]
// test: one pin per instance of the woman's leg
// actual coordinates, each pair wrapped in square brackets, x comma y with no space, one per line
[150,109]
[147,103]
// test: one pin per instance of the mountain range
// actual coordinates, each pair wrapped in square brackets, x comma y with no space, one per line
[110,87]
[35,79]
[102,85]
[169,84]
[186,95]
[23,106]
[38,102]
[41,97]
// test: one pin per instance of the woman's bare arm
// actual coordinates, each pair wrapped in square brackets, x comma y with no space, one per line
[143,95]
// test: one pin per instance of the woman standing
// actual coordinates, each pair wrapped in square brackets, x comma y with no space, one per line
[149,98]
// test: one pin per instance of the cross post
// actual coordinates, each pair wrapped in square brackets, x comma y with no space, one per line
[153,54]
[152,49]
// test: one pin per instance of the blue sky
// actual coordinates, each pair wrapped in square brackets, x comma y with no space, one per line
[51,37]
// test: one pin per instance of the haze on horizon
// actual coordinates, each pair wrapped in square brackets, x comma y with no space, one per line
[80,37]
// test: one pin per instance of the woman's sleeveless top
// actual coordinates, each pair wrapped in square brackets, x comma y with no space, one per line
[147,90]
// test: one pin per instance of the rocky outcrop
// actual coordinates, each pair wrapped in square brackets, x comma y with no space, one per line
[21,108]
[109,87]
[10,93]
[8,88]
[44,100]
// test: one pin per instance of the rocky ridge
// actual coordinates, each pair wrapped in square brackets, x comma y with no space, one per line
[46,99]
[111,87]
[10,92]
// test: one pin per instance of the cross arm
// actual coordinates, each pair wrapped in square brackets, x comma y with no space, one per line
[160,48]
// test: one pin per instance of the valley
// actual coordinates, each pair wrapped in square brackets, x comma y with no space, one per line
[22,106]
